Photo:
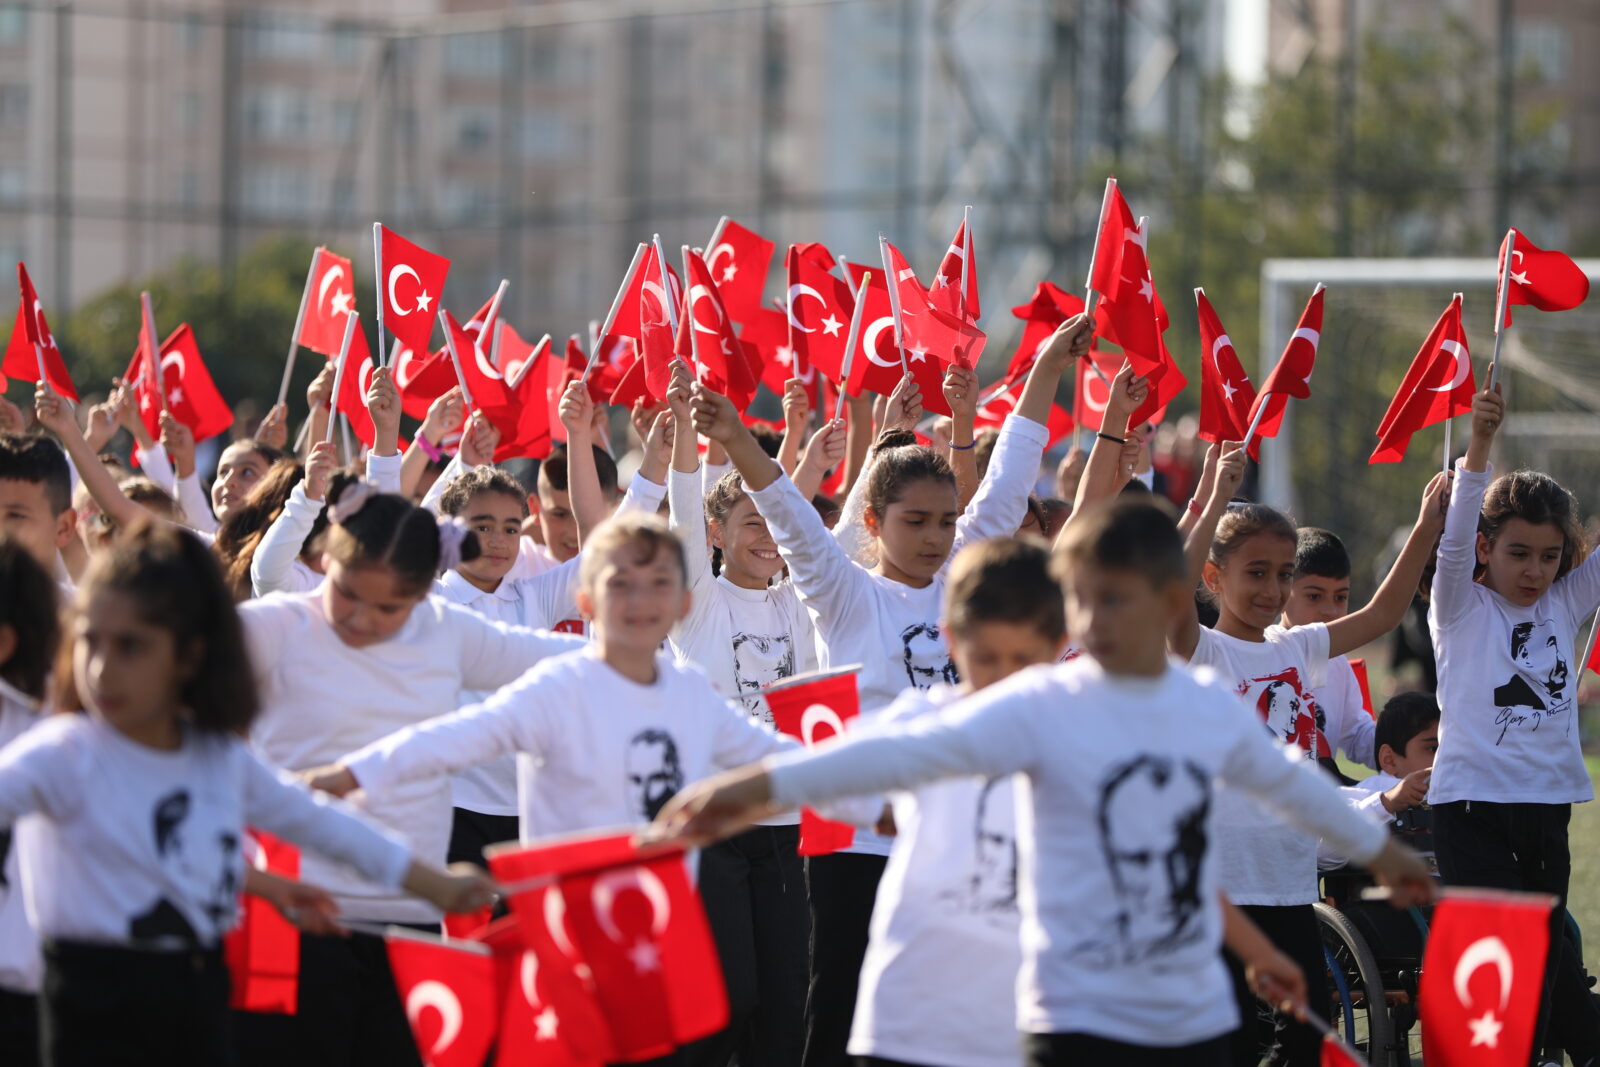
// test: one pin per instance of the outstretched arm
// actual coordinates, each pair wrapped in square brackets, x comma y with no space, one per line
[56,414]
[1230,472]
[1388,605]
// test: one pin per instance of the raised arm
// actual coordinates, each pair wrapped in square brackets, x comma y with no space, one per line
[796,414]
[961,393]
[319,399]
[177,440]
[444,415]
[272,564]
[55,413]
[822,453]
[685,502]
[1068,344]
[1113,454]
[577,415]
[1202,491]
[859,441]
[1388,605]
[1197,547]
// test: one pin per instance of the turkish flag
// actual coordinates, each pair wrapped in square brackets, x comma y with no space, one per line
[1438,385]
[22,358]
[1091,395]
[1547,279]
[530,1026]
[482,327]
[1117,226]
[263,951]
[1130,314]
[1336,1053]
[948,294]
[660,300]
[632,388]
[739,259]
[352,398]
[816,252]
[705,334]
[924,328]
[517,356]
[561,371]
[1166,382]
[192,397]
[412,283]
[526,425]
[483,379]
[449,995]
[819,309]
[877,365]
[768,333]
[814,707]
[1482,976]
[331,297]
[1225,390]
[616,356]
[1291,375]
[1044,312]
[998,401]
[421,378]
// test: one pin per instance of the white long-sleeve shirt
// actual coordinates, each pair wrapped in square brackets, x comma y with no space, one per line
[196,505]
[321,699]
[276,566]
[133,844]
[21,966]
[1346,725]
[1121,929]
[610,751]
[1508,730]
[538,603]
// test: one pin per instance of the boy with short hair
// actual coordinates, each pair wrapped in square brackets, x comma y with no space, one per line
[1321,593]
[36,497]
[1120,751]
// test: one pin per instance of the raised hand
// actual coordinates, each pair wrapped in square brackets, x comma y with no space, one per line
[1435,501]
[445,415]
[576,410]
[178,440]
[273,429]
[1230,470]
[1128,391]
[479,441]
[1071,341]
[102,422]
[383,404]
[319,394]
[904,409]
[714,415]
[961,393]
[320,465]
[796,405]
[55,412]
[680,390]
[825,450]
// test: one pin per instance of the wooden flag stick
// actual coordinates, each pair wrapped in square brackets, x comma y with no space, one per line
[616,306]
[852,340]
[377,267]
[455,357]
[1502,298]
[338,371]
[892,284]
[152,347]
[299,321]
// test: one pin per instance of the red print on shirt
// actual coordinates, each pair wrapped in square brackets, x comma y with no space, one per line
[1288,710]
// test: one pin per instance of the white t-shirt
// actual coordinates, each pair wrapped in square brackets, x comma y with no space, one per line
[21,966]
[144,846]
[537,603]
[1508,731]
[609,751]
[1121,927]
[321,699]
[947,905]
[1260,859]
[892,629]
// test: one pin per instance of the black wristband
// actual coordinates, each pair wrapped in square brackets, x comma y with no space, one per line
[1109,437]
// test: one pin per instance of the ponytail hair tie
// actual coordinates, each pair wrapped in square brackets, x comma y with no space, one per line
[351,501]
[452,532]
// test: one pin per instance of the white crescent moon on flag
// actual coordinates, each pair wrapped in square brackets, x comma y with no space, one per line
[528,975]
[957,251]
[869,340]
[486,368]
[555,921]
[711,260]
[604,896]
[1486,951]
[796,291]
[696,294]
[1306,334]
[1089,383]
[655,290]
[1223,341]
[404,370]
[169,358]
[819,715]
[1463,366]
[364,375]
[46,338]
[329,276]
[397,272]
[442,999]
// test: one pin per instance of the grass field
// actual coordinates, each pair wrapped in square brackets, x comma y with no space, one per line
[1585,892]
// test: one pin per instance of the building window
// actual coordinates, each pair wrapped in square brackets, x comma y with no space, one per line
[13,183]
[280,35]
[189,189]
[549,137]
[465,200]
[13,106]
[276,114]
[344,197]
[13,24]
[475,129]
[276,192]
[189,109]
[189,31]
[1541,49]
[344,120]
[474,55]
[346,42]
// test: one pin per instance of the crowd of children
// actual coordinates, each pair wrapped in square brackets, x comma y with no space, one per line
[1082,815]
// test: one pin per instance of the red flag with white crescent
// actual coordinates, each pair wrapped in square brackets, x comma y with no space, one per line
[448,992]
[332,298]
[412,285]
[1046,310]
[738,262]
[483,379]
[1225,390]
[192,396]
[706,337]
[818,309]
[1091,395]
[947,293]
[1438,385]
[1291,375]
[813,707]
[263,951]
[877,364]
[531,1029]
[1544,278]
[925,328]
[352,398]
[528,417]
[21,358]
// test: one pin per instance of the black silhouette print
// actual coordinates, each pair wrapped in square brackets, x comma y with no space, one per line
[1538,689]
[926,659]
[655,773]
[992,887]
[758,661]
[170,812]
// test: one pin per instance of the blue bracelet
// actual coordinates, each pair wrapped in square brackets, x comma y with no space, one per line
[963,448]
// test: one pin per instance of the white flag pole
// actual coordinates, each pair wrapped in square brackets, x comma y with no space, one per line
[1449,422]
[694,340]
[892,283]
[344,435]
[716,234]
[152,346]
[377,267]
[492,316]
[616,305]
[522,371]
[299,321]
[455,357]
[666,286]
[966,259]
[1502,298]
[852,340]
[1250,434]
[1090,297]
[338,371]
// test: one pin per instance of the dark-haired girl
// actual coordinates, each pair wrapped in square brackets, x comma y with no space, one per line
[1511,587]
[885,618]
[370,651]
[132,860]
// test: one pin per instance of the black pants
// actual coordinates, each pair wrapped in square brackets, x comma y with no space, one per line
[1524,847]
[19,1027]
[120,1007]
[472,831]
[753,886]
[348,1011]
[840,890]
[1085,1050]
[1293,929]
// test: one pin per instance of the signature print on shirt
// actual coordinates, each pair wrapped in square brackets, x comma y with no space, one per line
[1538,689]
[758,661]
[218,872]
[992,887]
[926,659]
[654,771]
[1288,709]
[1152,825]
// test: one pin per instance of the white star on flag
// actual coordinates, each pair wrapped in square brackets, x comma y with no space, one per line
[940,281]
[423,300]
[175,395]
[728,272]
[1147,290]
[545,1025]
[831,326]
[1486,1031]
[146,402]
[1229,388]
[341,302]
[785,355]
[644,957]
[1520,277]
[918,355]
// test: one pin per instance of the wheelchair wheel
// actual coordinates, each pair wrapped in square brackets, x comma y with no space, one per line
[1358,1006]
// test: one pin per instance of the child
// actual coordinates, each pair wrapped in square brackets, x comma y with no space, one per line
[1321,594]
[1267,868]
[133,862]
[1511,587]
[886,619]
[1121,922]
[368,652]
[36,497]
[1406,741]
[29,634]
